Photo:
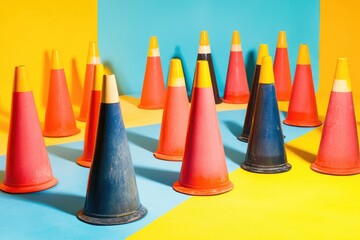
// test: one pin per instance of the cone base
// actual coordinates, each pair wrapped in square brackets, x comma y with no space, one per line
[29,189]
[140,213]
[263,169]
[236,99]
[151,107]
[81,118]
[244,139]
[218,101]
[335,171]
[66,133]
[302,123]
[84,162]
[203,191]
[168,157]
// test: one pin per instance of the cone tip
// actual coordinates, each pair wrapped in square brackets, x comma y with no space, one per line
[55,60]
[98,77]
[109,89]
[21,79]
[303,56]
[263,51]
[266,73]
[342,82]
[282,43]
[93,54]
[204,38]
[153,47]
[236,38]
[176,75]
[202,75]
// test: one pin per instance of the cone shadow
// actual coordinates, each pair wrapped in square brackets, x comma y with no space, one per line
[76,88]
[250,63]
[64,202]
[164,177]
[309,157]
[234,155]
[142,141]
[66,153]
[233,127]
[188,82]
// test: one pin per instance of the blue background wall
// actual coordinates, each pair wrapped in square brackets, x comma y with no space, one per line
[125,27]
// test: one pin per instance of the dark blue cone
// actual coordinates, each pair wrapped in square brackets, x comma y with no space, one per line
[266,150]
[112,196]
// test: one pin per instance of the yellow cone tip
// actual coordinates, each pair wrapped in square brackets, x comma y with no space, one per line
[266,72]
[235,38]
[153,47]
[204,38]
[109,90]
[342,82]
[282,43]
[263,51]
[202,75]
[21,79]
[98,77]
[93,54]
[176,75]
[55,60]
[303,55]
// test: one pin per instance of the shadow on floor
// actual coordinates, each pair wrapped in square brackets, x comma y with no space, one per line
[235,128]
[309,157]
[66,153]
[142,141]
[236,156]
[165,177]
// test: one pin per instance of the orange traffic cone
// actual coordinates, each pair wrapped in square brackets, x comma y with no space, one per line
[203,170]
[92,60]
[92,122]
[236,87]
[175,116]
[339,148]
[153,90]
[282,69]
[59,117]
[302,110]
[27,164]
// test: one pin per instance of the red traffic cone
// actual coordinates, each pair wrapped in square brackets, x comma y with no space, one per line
[27,164]
[203,170]
[302,110]
[339,148]
[92,60]
[282,69]
[153,90]
[175,116]
[59,117]
[92,122]
[236,87]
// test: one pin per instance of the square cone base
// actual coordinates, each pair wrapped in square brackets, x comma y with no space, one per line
[264,169]
[203,191]
[333,171]
[30,188]
[115,220]
[167,157]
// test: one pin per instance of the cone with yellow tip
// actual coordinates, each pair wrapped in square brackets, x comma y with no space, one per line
[175,116]
[282,69]
[59,117]
[111,196]
[302,111]
[339,148]
[27,164]
[236,87]
[204,53]
[266,150]
[86,158]
[92,59]
[203,170]
[153,90]
[244,137]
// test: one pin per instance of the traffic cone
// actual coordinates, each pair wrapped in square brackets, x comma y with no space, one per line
[112,196]
[302,110]
[266,150]
[203,170]
[153,90]
[59,117]
[175,116]
[236,87]
[204,53]
[92,60]
[244,137]
[339,148]
[27,164]
[282,69]
[86,158]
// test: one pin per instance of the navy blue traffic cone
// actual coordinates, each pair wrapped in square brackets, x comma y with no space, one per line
[266,150]
[244,137]
[112,196]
